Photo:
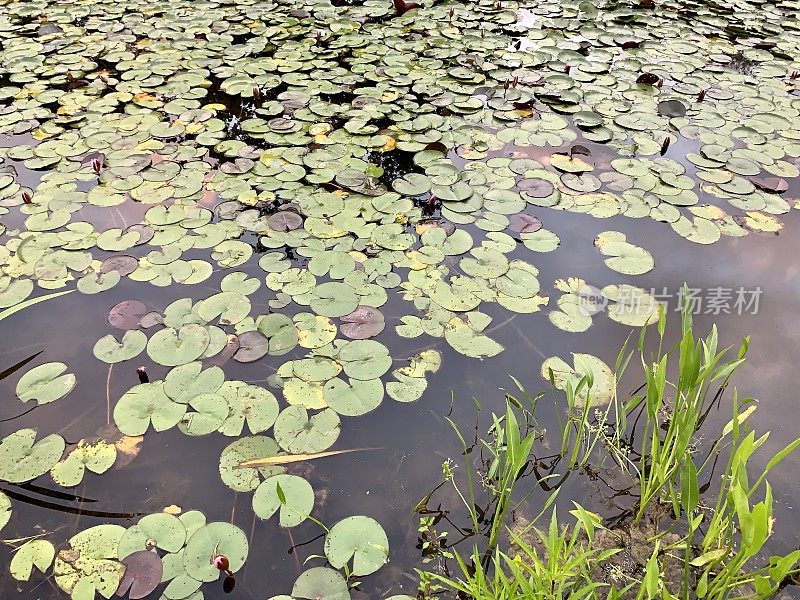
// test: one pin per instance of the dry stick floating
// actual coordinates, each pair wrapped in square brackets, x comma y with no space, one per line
[284,459]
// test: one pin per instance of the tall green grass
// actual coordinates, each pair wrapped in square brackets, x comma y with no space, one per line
[718,532]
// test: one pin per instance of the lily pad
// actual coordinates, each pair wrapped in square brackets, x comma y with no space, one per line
[110,350]
[295,499]
[603,381]
[34,553]
[320,583]
[299,433]
[45,383]
[172,347]
[24,459]
[361,539]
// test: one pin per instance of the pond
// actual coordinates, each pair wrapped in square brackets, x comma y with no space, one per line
[267,230]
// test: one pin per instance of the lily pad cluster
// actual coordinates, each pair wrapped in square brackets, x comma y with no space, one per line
[333,160]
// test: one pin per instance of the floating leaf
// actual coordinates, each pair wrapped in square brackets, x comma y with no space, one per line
[158,530]
[295,503]
[603,380]
[127,314]
[320,583]
[145,404]
[34,553]
[88,565]
[98,458]
[143,572]
[358,538]
[172,347]
[214,538]
[45,383]
[624,256]
[5,510]
[242,450]
[23,459]
[298,433]
[110,350]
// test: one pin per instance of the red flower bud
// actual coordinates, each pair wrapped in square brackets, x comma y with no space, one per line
[27,198]
[221,562]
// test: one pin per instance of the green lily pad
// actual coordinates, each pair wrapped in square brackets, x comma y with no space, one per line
[158,530]
[603,380]
[23,459]
[5,510]
[247,448]
[220,538]
[89,564]
[110,350]
[299,433]
[98,458]
[364,359]
[144,404]
[295,499]
[624,257]
[320,583]
[45,383]
[34,553]
[361,539]
[172,347]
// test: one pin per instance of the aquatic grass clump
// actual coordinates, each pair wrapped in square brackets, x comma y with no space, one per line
[703,540]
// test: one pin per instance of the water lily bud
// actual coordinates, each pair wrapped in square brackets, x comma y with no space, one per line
[27,198]
[143,378]
[701,95]
[96,165]
[452,12]
[221,562]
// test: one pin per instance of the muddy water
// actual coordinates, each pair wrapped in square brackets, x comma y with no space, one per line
[413,439]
